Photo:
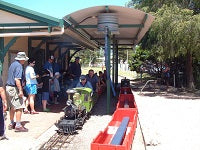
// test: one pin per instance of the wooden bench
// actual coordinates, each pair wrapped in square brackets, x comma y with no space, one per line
[119,135]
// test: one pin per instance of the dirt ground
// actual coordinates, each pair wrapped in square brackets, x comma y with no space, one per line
[169,117]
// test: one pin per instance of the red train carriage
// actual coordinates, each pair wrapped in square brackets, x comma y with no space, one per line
[126,99]
[119,133]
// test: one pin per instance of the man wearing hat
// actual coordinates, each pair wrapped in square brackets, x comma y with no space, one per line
[84,83]
[75,70]
[15,92]
[49,65]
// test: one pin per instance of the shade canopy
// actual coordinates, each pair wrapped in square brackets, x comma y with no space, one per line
[132,23]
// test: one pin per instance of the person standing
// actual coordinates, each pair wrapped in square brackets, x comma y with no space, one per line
[49,65]
[31,86]
[15,93]
[46,80]
[75,70]
[167,74]
[93,79]
[56,88]
[3,108]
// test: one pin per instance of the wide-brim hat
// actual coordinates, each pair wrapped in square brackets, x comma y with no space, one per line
[21,56]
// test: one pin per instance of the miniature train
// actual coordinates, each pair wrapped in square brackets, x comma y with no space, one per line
[78,107]
[120,131]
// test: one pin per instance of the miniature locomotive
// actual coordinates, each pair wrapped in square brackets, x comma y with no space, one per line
[78,106]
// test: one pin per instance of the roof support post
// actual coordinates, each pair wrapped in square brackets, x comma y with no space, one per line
[116,62]
[1,53]
[47,54]
[68,59]
[62,57]
[36,49]
[107,58]
[29,47]
[113,61]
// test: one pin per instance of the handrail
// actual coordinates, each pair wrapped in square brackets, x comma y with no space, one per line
[148,81]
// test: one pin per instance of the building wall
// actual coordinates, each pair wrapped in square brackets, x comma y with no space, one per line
[21,44]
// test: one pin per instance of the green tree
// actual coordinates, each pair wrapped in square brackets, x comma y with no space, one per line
[154,5]
[139,58]
[124,53]
[89,57]
[176,32]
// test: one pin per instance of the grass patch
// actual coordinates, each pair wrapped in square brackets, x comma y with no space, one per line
[127,74]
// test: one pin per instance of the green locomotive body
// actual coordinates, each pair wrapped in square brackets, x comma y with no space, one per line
[78,106]
[84,97]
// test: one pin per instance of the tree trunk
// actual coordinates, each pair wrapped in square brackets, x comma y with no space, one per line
[189,72]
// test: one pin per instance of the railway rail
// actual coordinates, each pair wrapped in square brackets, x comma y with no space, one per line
[58,141]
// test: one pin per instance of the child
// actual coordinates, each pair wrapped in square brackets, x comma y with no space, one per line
[45,89]
[56,87]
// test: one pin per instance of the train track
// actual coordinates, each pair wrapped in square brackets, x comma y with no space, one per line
[58,142]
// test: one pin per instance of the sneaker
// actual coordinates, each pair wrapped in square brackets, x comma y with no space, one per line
[21,129]
[48,103]
[11,126]
[3,137]
[46,110]
[26,112]
[34,112]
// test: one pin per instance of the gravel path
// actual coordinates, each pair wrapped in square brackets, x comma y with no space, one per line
[168,122]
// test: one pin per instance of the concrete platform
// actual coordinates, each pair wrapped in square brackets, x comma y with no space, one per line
[41,128]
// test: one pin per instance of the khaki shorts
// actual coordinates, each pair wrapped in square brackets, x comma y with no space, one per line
[14,101]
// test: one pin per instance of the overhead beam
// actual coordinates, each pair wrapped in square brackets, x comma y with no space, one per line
[143,22]
[43,38]
[73,54]
[55,49]
[22,24]
[71,39]
[59,42]
[120,26]
[83,35]
[122,44]
[121,38]
[76,24]
[125,48]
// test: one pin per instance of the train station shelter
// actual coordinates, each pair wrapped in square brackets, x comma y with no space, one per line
[40,35]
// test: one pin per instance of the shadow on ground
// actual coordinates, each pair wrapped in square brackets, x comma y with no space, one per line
[158,89]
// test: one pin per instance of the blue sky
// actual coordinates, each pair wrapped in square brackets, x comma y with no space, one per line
[60,8]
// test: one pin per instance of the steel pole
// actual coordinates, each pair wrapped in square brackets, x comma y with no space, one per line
[107,58]
[116,65]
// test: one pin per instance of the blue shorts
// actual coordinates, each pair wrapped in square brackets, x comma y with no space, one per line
[31,89]
[45,96]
